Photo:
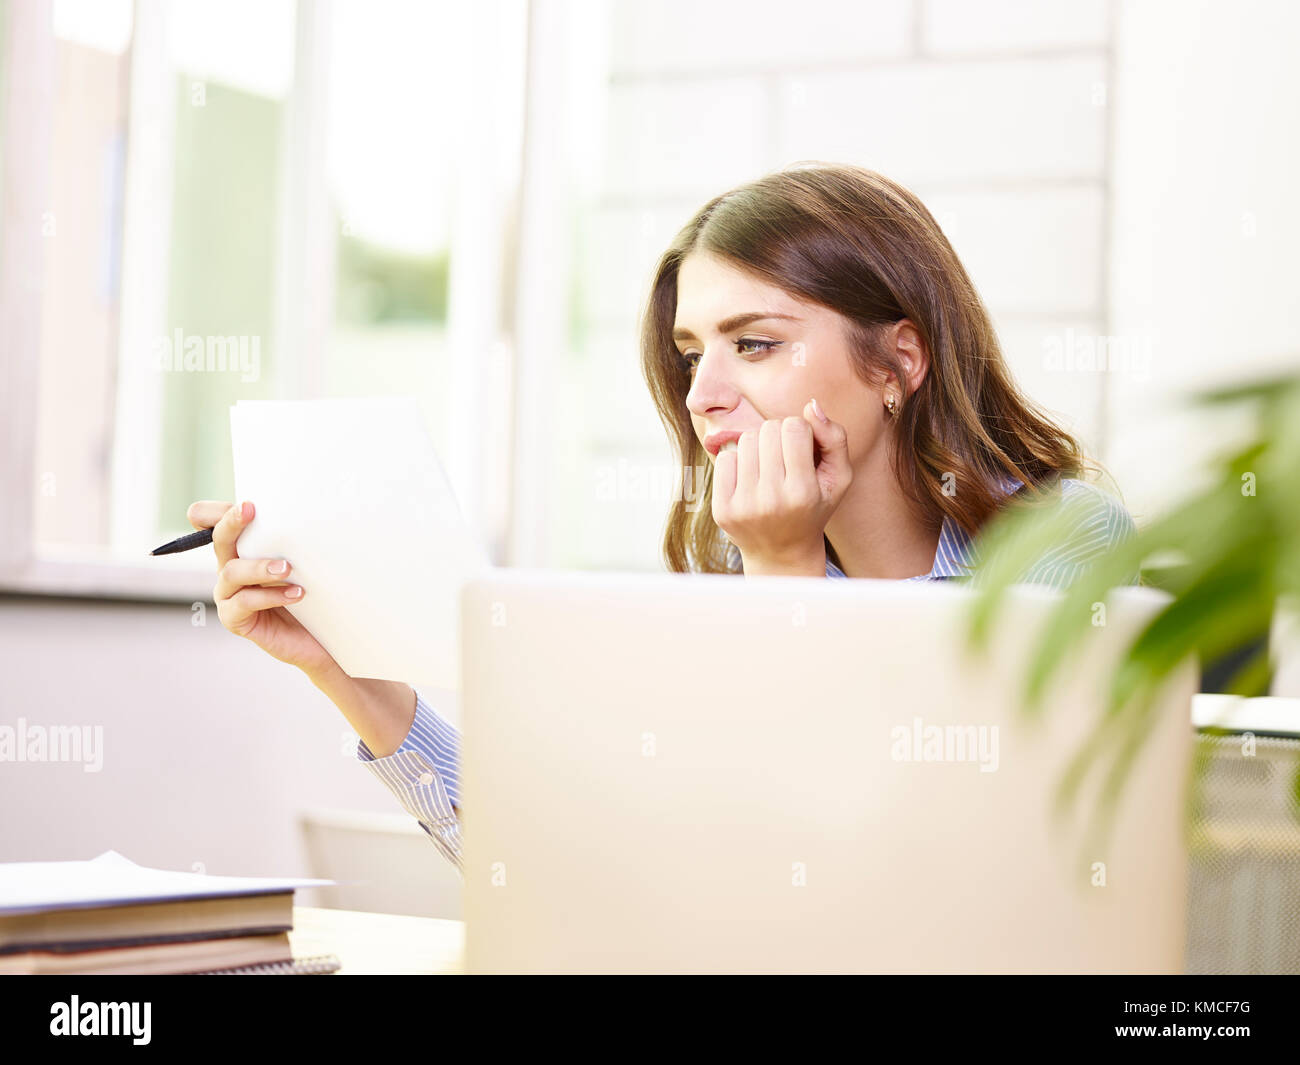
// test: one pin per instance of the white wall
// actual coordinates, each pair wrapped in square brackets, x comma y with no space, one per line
[211,748]
[995,112]
[1118,179]
[1205,224]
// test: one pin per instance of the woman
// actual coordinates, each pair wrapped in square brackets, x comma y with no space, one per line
[868,310]
[815,348]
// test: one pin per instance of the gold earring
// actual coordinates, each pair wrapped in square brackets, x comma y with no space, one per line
[890,404]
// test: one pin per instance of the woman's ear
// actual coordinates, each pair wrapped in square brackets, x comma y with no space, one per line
[910,348]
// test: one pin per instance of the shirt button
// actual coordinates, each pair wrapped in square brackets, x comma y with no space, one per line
[426,779]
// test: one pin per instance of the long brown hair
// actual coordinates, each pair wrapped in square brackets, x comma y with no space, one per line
[851,240]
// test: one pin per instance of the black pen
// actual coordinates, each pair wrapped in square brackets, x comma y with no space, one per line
[185,543]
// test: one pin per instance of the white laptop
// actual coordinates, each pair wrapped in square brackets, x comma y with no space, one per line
[708,773]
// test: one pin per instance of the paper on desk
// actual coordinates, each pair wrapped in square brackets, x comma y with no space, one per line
[351,492]
[112,880]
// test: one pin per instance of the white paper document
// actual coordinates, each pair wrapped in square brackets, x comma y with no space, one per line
[112,880]
[351,492]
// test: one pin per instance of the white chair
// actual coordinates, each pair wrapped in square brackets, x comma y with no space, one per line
[383,862]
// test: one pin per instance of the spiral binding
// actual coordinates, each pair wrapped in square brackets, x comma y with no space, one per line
[315,965]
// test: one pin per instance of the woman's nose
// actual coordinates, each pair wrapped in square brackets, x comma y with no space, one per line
[710,386]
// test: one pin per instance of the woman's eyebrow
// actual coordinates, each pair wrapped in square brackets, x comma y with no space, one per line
[729,325]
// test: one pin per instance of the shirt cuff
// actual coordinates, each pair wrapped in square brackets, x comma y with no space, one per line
[424,775]
[435,741]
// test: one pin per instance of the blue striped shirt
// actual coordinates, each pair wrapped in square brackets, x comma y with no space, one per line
[424,772]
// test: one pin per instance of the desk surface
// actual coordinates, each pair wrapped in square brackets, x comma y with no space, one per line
[379,943]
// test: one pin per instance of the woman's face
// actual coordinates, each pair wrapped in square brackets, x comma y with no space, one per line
[758,353]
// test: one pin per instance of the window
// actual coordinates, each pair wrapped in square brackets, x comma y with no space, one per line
[241,200]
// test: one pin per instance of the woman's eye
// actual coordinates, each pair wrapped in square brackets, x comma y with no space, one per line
[743,347]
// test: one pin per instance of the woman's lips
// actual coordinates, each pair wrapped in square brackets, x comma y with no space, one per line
[714,442]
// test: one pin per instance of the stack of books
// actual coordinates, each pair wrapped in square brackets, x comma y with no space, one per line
[109,916]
